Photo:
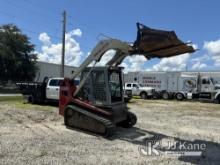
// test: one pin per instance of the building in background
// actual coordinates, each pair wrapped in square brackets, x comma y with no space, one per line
[51,70]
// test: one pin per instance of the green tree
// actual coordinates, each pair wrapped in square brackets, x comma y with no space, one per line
[17,60]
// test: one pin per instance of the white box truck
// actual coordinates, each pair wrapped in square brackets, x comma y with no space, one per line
[181,85]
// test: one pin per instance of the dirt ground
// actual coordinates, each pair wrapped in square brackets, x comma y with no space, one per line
[32,134]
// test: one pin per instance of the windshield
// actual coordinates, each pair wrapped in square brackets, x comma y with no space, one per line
[217,87]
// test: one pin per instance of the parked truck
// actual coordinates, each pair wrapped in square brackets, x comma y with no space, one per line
[40,92]
[136,89]
[181,85]
[48,90]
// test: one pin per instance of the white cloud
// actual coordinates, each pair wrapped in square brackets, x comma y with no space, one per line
[133,63]
[201,58]
[176,63]
[75,32]
[44,38]
[52,52]
[106,57]
[199,65]
[199,62]
[213,48]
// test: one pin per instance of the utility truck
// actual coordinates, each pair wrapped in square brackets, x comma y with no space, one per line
[40,92]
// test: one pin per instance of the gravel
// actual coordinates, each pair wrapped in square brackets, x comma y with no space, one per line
[37,135]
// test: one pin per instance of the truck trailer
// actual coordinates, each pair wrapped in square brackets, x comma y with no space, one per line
[180,85]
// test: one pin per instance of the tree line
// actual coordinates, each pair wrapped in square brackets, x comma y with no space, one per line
[17,57]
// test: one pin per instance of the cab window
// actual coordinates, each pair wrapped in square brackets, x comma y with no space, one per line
[134,85]
[128,85]
[55,82]
[205,81]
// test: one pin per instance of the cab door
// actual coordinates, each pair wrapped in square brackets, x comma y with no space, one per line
[53,89]
[135,89]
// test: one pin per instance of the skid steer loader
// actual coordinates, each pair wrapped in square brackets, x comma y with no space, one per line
[97,105]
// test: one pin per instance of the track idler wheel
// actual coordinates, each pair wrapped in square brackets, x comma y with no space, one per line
[130,121]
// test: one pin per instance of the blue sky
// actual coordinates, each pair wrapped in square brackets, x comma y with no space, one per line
[195,20]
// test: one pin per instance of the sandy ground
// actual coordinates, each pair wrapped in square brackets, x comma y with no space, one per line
[36,135]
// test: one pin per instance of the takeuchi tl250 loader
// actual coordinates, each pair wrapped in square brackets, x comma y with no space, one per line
[97,105]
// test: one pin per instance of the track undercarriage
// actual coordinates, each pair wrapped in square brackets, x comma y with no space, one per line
[78,118]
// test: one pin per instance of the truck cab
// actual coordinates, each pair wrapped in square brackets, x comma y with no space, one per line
[209,89]
[139,90]
[207,84]
[53,88]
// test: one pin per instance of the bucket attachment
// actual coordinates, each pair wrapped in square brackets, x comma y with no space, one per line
[159,43]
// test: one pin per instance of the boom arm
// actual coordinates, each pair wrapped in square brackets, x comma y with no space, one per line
[101,48]
[122,49]
[150,42]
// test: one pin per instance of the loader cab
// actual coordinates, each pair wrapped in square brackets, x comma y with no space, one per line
[103,87]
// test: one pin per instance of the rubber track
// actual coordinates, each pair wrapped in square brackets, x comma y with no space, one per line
[109,126]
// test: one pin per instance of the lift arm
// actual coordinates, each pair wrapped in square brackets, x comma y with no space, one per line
[101,48]
[122,48]
[150,42]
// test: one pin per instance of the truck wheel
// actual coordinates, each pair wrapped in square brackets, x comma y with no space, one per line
[31,99]
[156,95]
[129,122]
[165,96]
[143,95]
[179,96]
[218,99]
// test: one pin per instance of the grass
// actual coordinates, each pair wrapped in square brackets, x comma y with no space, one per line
[138,99]
[9,91]
[19,103]
[10,98]
[177,105]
